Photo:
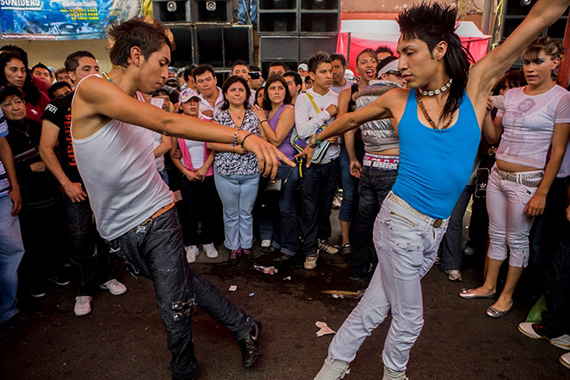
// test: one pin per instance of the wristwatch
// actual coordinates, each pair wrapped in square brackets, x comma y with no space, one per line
[314,141]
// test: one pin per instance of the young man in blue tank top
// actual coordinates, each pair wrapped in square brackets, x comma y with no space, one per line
[439,121]
[132,205]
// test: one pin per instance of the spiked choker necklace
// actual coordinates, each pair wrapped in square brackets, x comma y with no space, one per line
[439,91]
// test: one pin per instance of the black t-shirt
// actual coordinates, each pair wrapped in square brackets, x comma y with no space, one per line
[58,111]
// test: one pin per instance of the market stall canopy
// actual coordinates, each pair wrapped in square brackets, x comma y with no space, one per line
[357,35]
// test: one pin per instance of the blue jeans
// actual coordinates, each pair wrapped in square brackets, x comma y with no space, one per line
[348,184]
[285,223]
[11,253]
[156,251]
[86,270]
[406,246]
[243,8]
[238,194]
[450,249]
[319,186]
[374,185]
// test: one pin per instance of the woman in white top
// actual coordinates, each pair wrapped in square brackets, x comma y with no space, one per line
[535,123]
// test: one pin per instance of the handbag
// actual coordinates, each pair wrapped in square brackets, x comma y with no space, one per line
[299,144]
[276,185]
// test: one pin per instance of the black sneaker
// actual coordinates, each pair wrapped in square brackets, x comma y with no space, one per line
[60,279]
[37,291]
[250,346]
[283,259]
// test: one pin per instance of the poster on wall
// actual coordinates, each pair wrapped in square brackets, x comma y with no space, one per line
[63,19]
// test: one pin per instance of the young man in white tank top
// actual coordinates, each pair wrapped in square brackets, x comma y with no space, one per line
[133,206]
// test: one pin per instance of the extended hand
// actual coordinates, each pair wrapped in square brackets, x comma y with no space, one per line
[267,154]
[307,155]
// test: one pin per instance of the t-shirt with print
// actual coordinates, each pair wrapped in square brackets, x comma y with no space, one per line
[59,113]
[528,125]
[4,183]
[228,163]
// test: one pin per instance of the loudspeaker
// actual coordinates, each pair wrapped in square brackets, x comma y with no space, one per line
[183,38]
[172,11]
[222,45]
[212,11]
[516,11]
[308,45]
[279,48]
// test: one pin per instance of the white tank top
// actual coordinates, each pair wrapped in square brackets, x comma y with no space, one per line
[118,169]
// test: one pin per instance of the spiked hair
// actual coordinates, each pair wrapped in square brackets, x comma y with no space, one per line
[432,23]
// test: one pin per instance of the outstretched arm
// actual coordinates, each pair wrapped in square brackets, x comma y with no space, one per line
[485,73]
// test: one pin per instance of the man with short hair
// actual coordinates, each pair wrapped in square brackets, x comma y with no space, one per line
[383,52]
[241,69]
[41,72]
[277,67]
[255,83]
[294,83]
[61,76]
[207,84]
[439,118]
[339,82]
[87,272]
[133,207]
[59,89]
[314,109]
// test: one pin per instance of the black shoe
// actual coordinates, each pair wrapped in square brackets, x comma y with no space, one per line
[38,291]
[250,346]
[247,254]
[60,279]
[270,249]
[283,259]
[19,320]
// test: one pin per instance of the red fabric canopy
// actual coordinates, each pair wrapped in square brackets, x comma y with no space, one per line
[357,35]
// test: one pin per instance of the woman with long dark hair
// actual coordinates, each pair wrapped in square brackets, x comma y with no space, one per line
[236,172]
[276,119]
[13,72]
[534,130]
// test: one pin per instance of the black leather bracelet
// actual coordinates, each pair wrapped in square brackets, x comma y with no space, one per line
[246,136]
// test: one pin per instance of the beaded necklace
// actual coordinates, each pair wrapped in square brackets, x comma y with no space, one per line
[426,115]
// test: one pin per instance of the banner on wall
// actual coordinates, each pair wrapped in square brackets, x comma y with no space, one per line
[63,19]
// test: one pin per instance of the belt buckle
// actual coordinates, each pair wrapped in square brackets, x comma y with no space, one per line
[437,223]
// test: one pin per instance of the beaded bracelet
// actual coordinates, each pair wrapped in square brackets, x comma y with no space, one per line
[235,138]
[246,136]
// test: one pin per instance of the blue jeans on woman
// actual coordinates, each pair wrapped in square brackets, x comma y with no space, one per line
[285,223]
[11,253]
[238,194]
[156,251]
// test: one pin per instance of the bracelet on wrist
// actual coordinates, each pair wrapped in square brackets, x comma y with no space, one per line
[235,138]
[246,136]
[261,122]
[314,142]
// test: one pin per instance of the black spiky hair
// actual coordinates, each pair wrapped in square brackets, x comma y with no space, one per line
[432,23]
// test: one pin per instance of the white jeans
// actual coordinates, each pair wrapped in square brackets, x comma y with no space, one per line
[406,246]
[509,226]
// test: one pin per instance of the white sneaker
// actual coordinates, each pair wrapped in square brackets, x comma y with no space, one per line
[324,246]
[114,287]
[82,306]
[562,341]
[400,375]
[265,243]
[191,252]
[210,250]
[565,360]
[332,369]
[311,262]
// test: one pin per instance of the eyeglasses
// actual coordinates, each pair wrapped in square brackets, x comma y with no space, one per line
[394,72]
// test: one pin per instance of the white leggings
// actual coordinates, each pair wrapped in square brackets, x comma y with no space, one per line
[509,226]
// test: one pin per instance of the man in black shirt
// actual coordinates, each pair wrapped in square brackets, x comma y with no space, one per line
[56,128]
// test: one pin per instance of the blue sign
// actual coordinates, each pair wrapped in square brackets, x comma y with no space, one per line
[63,19]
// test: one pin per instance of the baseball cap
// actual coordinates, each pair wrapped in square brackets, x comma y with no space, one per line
[303,66]
[392,66]
[188,94]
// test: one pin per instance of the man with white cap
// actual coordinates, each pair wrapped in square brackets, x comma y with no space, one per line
[303,70]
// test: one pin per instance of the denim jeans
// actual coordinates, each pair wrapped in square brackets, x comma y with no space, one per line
[86,270]
[11,253]
[243,8]
[406,246]
[557,315]
[319,185]
[348,184]
[374,185]
[450,248]
[202,204]
[156,251]
[238,194]
[285,222]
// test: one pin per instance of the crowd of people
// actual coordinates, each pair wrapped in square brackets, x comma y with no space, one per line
[60,221]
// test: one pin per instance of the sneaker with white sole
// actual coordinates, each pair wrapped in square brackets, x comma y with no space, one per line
[332,369]
[324,246]
[210,250]
[400,375]
[565,360]
[311,262]
[192,252]
[539,331]
[114,287]
[82,306]
[453,275]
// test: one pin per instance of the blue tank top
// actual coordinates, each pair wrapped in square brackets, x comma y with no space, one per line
[435,164]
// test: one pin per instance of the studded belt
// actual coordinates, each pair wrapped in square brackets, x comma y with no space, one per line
[531,179]
[434,222]
[383,162]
